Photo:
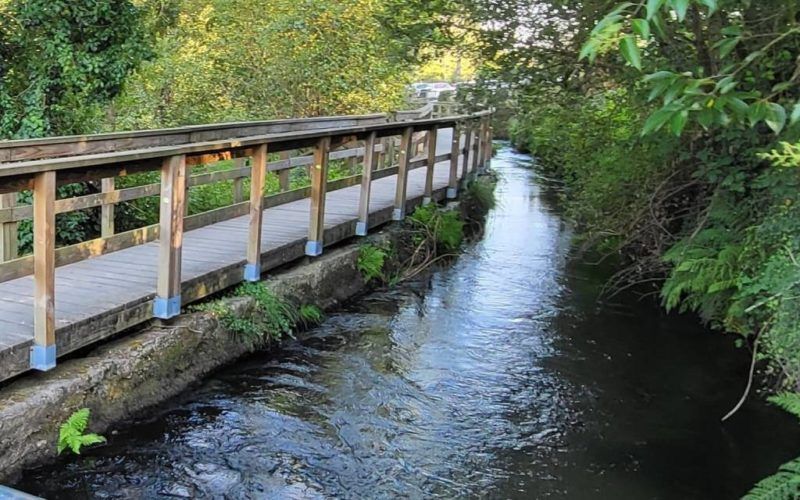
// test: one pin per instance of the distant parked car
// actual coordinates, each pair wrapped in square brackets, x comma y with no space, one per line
[420,89]
[439,90]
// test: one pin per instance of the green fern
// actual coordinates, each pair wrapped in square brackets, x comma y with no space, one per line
[311,315]
[789,401]
[783,485]
[71,434]
[370,262]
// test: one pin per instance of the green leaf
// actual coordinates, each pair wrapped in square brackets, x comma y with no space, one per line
[657,23]
[658,75]
[657,120]
[678,121]
[680,7]
[726,45]
[711,4]
[652,7]
[630,51]
[756,113]
[588,50]
[795,116]
[641,27]
[726,84]
[705,117]
[776,117]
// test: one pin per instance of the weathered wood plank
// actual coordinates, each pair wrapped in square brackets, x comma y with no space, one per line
[107,210]
[8,230]
[252,271]
[173,192]
[319,181]
[43,354]
[402,174]
[455,150]
[362,226]
[427,195]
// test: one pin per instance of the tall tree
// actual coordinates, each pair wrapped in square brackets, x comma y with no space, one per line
[61,60]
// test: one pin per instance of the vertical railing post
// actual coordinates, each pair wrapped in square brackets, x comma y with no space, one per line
[258,173]
[382,154]
[477,146]
[167,303]
[43,351]
[427,196]
[390,152]
[238,182]
[467,152]
[8,230]
[406,149]
[319,185]
[283,175]
[455,152]
[487,144]
[362,226]
[107,209]
[490,141]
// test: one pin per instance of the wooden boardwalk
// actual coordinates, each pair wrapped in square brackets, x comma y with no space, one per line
[59,300]
[101,296]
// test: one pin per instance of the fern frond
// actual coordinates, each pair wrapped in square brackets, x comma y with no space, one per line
[789,401]
[783,485]
[78,420]
[71,433]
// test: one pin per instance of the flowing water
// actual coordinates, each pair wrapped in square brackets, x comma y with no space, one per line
[503,376]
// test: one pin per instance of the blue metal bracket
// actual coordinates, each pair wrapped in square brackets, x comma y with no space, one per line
[313,248]
[252,272]
[398,214]
[361,228]
[167,308]
[452,193]
[426,200]
[43,357]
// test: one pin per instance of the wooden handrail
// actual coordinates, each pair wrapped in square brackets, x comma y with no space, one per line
[55,147]
[43,174]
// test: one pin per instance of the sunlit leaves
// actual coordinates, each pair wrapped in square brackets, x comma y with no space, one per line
[686,95]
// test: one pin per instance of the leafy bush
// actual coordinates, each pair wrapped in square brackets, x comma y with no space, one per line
[445,227]
[71,433]
[273,318]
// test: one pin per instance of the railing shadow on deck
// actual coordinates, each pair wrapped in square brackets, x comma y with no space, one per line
[371,146]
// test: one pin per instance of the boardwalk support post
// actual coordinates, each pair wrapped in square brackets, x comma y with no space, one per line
[362,226]
[406,145]
[455,152]
[43,351]
[477,149]
[258,172]
[167,303]
[319,181]
[427,196]
[467,154]
[8,230]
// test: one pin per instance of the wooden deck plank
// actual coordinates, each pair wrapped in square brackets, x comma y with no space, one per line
[93,291]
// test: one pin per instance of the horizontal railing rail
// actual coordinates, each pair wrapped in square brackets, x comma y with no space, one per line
[382,145]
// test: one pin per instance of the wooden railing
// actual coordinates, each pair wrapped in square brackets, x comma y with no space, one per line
[41,165]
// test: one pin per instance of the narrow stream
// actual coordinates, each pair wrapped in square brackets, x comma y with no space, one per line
[503,376]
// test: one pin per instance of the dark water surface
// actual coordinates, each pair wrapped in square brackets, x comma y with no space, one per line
[503,376]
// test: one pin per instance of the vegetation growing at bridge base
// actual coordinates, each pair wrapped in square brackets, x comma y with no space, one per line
[273,318]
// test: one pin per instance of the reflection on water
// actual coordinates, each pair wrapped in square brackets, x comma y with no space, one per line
[502,376]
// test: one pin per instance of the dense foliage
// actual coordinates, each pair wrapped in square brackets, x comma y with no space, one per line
[674,126]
